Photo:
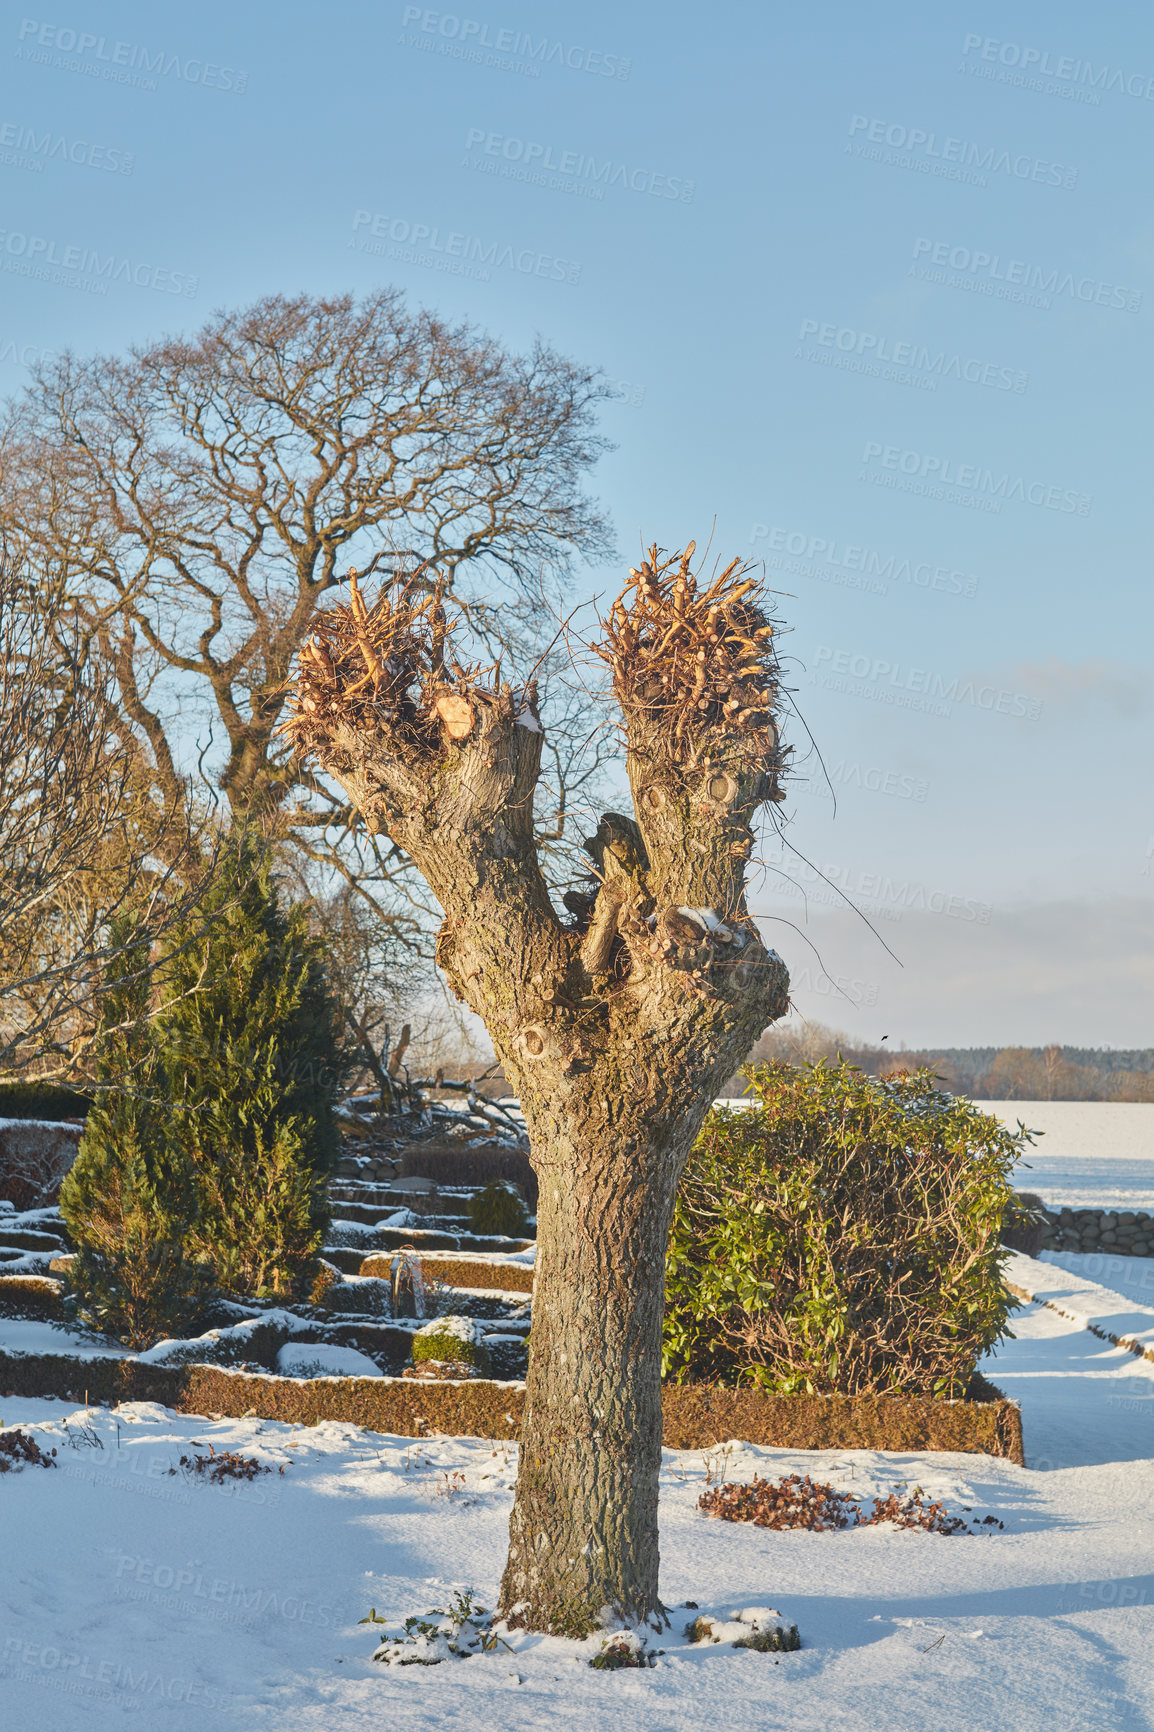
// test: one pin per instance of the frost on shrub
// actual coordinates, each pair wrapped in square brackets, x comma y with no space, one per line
[457,1632]
[625,1649]
[840,1237]
[753,1627]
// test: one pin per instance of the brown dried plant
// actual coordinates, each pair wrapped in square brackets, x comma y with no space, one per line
[797,1501]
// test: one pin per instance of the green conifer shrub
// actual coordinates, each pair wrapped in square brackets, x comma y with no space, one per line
[452,1340]
[498,1210]
[840,1237]
[253,1065]
[130,1199]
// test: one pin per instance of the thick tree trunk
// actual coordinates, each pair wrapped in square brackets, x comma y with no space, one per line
[615,1031]
[583,1533]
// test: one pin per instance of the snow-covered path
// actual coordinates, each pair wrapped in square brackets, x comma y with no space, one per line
[128,1591]
[1085,1402]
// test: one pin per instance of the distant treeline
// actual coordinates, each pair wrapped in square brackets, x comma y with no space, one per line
[990,1073]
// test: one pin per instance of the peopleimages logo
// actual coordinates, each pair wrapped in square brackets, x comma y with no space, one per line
[540,159]
[884,681]
[1018,278]
[861,993]
[876,893]
[216,1594]
[971,478]
[84,268]
[462,254]
[53,147]
[472,33]
[871,779]
[120,62]
[24,354]
[932,154]
[821,554]
[1040,63]
[870,347]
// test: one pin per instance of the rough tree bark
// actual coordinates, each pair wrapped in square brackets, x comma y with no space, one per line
[615,1029]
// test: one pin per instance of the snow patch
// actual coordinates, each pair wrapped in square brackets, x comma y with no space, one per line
[312,1359]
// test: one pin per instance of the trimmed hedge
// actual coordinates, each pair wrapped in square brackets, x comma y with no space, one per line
[700,1415]
[452,1340]
[696,1416]
[38,1100]
[460,1164]
[460,1272]
[35,1296]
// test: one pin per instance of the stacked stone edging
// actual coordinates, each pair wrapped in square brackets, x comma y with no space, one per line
[1122,1232]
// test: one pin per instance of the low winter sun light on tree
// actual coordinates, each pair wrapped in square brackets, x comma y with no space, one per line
[615,1027]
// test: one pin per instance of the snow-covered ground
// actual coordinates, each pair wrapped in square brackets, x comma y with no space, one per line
[1127,1319]
[1133,1276]
[129,1589]
[1093,1155]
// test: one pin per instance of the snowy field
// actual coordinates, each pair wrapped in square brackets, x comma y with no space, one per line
[1094,1154]
[130,1591]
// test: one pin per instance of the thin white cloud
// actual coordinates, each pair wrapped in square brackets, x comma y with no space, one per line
[1073,687]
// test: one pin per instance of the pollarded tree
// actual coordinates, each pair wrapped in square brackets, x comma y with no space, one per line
[616,1030]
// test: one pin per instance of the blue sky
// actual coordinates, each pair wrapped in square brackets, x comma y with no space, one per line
[877,288]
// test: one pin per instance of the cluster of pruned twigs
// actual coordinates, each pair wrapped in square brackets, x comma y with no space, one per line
[389,666]
[698,664]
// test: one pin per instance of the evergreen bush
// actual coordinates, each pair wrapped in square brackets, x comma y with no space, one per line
[452,1340]
[130,1199]
[253,1064]
[840,1237]
[499,1209]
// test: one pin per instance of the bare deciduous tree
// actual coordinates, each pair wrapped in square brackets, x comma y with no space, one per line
[198,497]
[616,1030]
[78,841]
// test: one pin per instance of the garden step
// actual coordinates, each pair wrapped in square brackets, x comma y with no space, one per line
[422,1239]
[26,1239]
[342,1258]
[462,1271]
[393,1238]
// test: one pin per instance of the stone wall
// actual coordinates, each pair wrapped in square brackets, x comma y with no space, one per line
[1122,1232]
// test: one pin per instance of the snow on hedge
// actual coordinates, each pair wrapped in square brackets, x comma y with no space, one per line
[314,1359]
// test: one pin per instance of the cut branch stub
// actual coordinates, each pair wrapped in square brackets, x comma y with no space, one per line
[457,713]
[722,788]
[617,849]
